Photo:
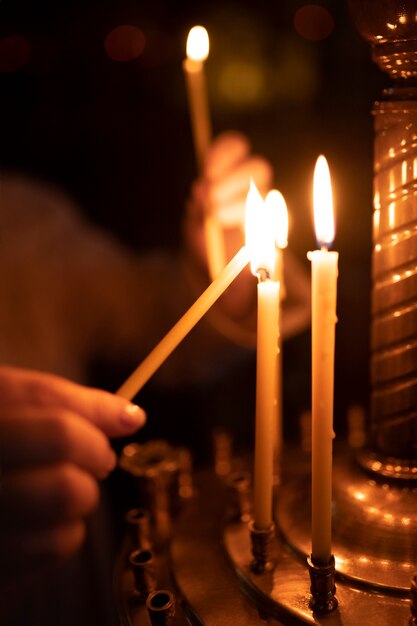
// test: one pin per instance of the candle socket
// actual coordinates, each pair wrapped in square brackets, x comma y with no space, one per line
[413,602]
[239,491]
[161,607]
[261,541]
[143,566]
[323,589]
[139,528]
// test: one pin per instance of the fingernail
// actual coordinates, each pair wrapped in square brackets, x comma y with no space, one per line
[133,416]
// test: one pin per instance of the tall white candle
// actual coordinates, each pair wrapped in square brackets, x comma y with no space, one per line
[324,293]
[193,65]
[260,240]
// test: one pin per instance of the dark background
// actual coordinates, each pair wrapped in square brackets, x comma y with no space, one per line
[116,134]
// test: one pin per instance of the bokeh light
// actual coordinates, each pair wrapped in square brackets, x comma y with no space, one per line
[313,22]
[242,82]
[125,43]
[14,53]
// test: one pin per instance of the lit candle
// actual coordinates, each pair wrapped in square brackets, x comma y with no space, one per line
[197,52]
[279,213]
[260,240]
[193,65]
[160,353]
[324,289]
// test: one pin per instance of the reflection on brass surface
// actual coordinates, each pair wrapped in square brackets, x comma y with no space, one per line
[394,301]
[374,526]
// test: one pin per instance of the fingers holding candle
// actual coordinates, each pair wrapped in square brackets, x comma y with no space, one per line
[53,449]
[229,166]
[25,390]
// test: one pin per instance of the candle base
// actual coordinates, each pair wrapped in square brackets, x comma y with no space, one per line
[161,607]
[323,589]
[261,543]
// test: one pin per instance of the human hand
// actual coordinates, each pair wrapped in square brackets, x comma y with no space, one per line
[222,190]
[53,448]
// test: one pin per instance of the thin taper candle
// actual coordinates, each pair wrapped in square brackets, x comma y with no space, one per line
[324,294]
[267,347]
[193,66]
[154,360]
[261,228]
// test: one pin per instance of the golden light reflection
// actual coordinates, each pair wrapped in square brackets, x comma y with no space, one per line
[377,220]
[391,214]
[323,203]
[198,44]
[404,172]
[359,495]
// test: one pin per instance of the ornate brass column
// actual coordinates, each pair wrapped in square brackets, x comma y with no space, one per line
[391,27]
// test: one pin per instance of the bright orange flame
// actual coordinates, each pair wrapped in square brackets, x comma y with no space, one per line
[198,44]
[276,204]
[260,234]
[323,203]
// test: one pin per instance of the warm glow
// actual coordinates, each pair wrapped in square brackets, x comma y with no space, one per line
[260,233]
[275,203]
[323,203]
[198,44]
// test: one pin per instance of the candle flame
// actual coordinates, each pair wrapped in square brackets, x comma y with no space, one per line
[198,44]
[323,203]
[276,204]
[260,235]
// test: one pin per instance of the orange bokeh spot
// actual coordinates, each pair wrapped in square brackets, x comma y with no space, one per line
[125,43]
[14,53]
[313,22]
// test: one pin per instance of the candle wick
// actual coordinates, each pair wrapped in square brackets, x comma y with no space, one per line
[324,247]
[262,274]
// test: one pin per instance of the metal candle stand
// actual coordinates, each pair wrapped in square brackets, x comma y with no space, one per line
[223,571]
